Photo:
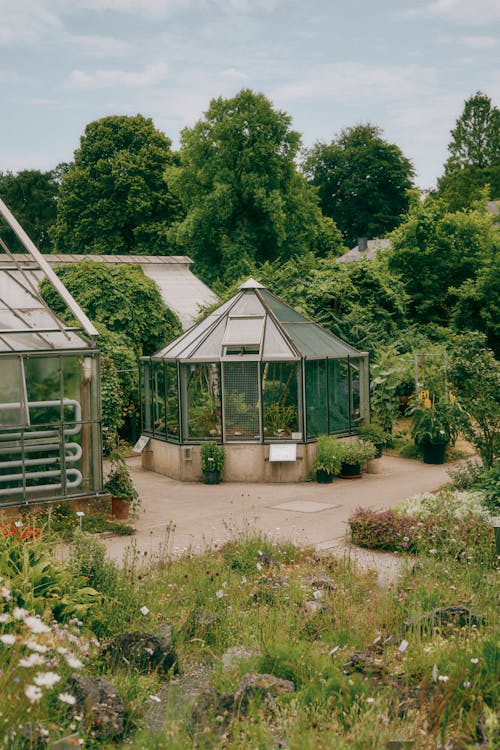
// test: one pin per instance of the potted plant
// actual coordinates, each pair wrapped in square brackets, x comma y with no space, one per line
[355,454]
[124,496]
[329,452]
[434,427]
[212,461]
[375,434]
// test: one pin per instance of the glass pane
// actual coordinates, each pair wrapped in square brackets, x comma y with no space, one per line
[355,391]
[316,398]
[203,414]
[243,331]
[280,399]
[43,384]
[241,401]
[147,401]
[159,412]
[338,396]
[12,406]
[172,406]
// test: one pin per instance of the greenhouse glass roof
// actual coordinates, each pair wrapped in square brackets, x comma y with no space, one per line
[254,324]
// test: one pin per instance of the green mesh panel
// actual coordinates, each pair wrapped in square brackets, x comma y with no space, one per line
[241,401]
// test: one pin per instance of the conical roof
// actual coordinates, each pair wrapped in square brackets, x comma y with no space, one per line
[255,324]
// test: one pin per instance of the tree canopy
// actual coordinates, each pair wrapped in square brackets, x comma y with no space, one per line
[114,199]
[244,199]
[362,181]
[31,195]
[474,154]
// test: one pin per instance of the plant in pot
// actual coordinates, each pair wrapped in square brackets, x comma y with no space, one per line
[124,496]
[329,452]
[434,426]
[374,433]
[355,454]
[212,461]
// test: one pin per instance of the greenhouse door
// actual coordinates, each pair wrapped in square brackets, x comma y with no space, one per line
[241,401]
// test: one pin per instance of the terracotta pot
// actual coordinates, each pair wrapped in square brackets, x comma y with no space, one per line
[120,507]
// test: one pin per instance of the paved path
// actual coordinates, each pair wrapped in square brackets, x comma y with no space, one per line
[306,513]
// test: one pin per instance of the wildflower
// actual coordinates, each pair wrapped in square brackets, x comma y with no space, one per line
[435,673]
[32,693]
[6,593]
[144,610]
[34,646]
[474,661]
[403,646]
[259,567]
[155,698]
[46,679]
[19,613]
[467,684]
[33,660]
[433,551]
[73,662]
[8,639]
[370,700]
[36,625]
[443,678]
[4,617]
[67,698]
[219,594]
[243,579]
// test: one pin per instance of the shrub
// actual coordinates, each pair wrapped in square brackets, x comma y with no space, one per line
[491,489]
[467,475]
[329,454]
[212,456]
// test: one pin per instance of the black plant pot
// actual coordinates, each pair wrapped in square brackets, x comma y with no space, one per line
[323,477]
[378,450]
[211,477]
[350,471]
[434,453]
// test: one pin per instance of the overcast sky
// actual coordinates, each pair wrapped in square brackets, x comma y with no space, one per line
[406,66]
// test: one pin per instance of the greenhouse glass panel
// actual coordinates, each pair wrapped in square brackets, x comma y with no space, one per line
[203,406]
[241,401]
[44,389]
[158,387]
[355,373]
[13,409]
[280,399]
[147,401]
[316,398]
[338,395]
[172,401]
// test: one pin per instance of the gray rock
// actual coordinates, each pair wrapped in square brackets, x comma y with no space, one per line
[364,662]
[145,652]
[202,623]
[100,703]
[267,686]
[232,657]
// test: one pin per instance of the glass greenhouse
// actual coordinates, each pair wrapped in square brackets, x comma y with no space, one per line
[50,432]
[254,371]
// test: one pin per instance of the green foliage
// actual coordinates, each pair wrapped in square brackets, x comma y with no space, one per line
[87,559]
[477,305]
[212,456]
[245,202]
[362,181]
[435,422]
[329,454]
[118,480]
[474,149]
[475,377]
[435,252]
[490,484]
[357,452]
[374,433]
[31,196]
[114,199]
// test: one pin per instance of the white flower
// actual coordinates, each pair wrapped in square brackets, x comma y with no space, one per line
[19,613]
[433,551]
[33,660]
[474,661]
[144,610]
[73,662]
[435,673]
[36,625]
[443,678]
[219,594]
[259,566]
[8,639]
[370,700]
[467,684]
[62,650]
[155,698]
[243,579]
[317,594]
[67,698]
[4,617]
[34,646]
[46,679]
[32,693]
[6,593]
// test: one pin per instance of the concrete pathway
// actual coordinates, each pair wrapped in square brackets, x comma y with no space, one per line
[179,516]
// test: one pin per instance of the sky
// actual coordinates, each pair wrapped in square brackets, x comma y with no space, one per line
[406,66]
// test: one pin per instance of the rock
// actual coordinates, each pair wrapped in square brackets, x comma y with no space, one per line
[202,623]
[322,581]
[211,706]
[235,654]
[267,686]
[311,606]
[98,700]
[365,662]
[453,616]
[145,652]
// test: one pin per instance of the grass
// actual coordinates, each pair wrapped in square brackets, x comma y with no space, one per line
[259,593]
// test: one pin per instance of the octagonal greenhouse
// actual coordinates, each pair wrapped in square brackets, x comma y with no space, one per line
[253,373]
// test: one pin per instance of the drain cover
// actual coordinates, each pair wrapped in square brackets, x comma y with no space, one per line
[305,506]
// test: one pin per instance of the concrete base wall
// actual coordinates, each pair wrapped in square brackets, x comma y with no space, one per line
[244,462]
[89,504]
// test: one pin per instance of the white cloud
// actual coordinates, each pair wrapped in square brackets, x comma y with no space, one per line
[99,79]
[166,7]
[476,12]
[23,21]
[234,74]
[94,45]
[480,42]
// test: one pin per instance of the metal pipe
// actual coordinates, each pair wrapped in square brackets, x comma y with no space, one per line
[43,487]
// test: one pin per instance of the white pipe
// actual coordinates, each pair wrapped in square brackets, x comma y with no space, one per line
[42,487]
[42,460]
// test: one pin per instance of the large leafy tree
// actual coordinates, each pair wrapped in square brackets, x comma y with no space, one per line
[435,251]
[362,180]
[31,196]
[113,198]
[244,198]
[474,154]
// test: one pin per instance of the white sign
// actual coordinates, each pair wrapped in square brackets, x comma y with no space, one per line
[281,452]
[141,444]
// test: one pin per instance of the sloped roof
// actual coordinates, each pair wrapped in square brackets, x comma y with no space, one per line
[26,322]
[257,320]
[373,246]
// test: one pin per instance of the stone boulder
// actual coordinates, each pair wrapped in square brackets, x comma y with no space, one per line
[100,704]
[144,652]
[267,686]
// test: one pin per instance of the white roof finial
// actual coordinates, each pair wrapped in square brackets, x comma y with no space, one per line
[252,284]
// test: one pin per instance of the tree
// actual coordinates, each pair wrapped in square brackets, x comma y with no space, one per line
[474,149]
[245,202]
[362,180]
[31,195]
[435,251]
[114,199]
[474,374]
[478,305]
